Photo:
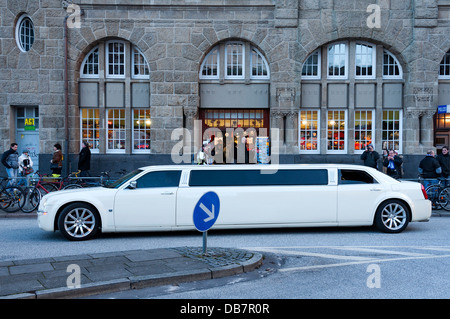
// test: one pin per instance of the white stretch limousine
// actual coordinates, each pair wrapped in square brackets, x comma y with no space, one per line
[164,197]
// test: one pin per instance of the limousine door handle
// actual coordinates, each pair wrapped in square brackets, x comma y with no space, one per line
[167,193]
[376,189]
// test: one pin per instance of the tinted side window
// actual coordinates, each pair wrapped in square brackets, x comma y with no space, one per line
[159,179]
[255,178]
[355,177]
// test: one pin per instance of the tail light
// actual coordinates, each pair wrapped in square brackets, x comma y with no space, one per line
[424,192]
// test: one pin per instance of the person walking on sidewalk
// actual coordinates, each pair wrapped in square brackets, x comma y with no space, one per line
[10,159]
[370,157]
[84,160]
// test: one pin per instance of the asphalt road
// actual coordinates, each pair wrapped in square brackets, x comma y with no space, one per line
[301,263]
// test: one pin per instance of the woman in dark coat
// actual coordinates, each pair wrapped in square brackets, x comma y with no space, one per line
[56,162]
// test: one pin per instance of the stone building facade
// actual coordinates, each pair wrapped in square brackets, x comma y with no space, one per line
[331,76]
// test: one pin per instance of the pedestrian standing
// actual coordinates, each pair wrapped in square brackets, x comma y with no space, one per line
[444,161]
[84,160]
[10,159]
[393,164]
[25,166]
[429,168]
[56,161]
[370,157]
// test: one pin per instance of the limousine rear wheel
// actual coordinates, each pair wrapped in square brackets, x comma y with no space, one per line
[78,221]
[392,216]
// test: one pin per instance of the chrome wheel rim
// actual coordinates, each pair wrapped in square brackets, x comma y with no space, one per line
[79,222]
[394,216]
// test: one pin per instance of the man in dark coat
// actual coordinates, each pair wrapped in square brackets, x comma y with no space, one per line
[10,159]
[429,167]
[444,161]
[370,157]
[84,160]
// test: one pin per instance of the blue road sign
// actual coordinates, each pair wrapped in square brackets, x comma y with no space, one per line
[206,211]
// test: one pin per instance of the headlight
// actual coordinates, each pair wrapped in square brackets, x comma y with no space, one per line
[44,201]
[43,204]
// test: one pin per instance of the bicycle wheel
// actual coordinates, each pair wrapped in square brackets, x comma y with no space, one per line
[31,200]
[433,195]
[4,200]
[45,188]
[14,195]
[72,186]
[444,198]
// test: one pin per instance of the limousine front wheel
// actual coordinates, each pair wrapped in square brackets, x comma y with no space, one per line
[78,221]
[392,216]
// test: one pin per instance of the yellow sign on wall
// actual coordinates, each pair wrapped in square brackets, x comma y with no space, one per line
[29,124]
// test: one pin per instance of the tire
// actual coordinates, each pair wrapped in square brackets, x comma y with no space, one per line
[433,195]
[392,216]
[79,221]
[444,198]
[31,200]
[13,198]
[4,200]
[72,186]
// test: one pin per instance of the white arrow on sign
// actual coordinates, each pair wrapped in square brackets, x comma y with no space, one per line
[208,212]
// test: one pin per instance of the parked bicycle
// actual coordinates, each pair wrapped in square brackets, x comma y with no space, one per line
[439,194]
[102,180]
[11,197]
[41,186]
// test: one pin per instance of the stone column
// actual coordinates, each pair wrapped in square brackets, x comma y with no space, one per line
[411,130]
[291,131]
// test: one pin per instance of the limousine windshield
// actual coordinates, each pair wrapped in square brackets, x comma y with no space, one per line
[123,179]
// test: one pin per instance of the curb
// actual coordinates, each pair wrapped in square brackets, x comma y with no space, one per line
[139,282]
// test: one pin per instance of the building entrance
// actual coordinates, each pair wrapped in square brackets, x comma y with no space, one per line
[236,133]
[27,132]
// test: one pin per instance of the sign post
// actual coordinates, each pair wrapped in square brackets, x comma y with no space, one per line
[205,214]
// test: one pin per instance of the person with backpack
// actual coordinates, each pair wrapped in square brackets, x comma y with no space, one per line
[10,159]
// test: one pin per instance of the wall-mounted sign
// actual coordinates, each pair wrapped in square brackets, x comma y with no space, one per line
[29,124]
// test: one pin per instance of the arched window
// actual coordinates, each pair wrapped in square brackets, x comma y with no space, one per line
[365,61]
[140,65]
[337,61]
[89,68]
[350,99]
[210,65]
[391,67]
[444,67]
[234,93]
[311,67]
[234,60]
[112,71]
[259,66]
[231,65]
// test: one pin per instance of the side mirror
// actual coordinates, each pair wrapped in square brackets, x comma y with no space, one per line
[132,185]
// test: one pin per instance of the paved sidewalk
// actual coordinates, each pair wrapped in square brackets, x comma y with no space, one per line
[118,271]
